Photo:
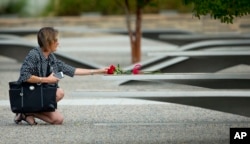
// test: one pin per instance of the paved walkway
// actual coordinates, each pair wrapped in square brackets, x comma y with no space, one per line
[100,121]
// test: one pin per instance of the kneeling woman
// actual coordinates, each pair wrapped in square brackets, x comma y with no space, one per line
[43,58]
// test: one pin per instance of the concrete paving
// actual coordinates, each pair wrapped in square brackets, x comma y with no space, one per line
[115,121]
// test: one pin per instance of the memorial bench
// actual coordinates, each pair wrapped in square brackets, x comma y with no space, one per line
[174,76]
[166,63]
[153,34]
[203,61]
[19,31]
[163,60]
[207,80]
[195,62]
[200,53]
[9,36]
[183,39]
[214,43]
[147,33]
[18,49]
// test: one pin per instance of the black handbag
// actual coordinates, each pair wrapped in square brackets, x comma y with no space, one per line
[31,97]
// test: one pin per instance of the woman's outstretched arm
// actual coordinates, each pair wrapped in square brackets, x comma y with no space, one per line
[81,71]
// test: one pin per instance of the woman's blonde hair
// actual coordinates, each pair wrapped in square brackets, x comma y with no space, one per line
[46,36]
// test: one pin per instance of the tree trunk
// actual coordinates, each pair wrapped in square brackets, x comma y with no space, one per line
[135,37]
[136,50]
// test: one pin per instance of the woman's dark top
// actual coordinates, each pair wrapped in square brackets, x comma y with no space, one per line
[36,64]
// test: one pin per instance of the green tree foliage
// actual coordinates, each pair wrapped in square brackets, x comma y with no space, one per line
[68,7]
[77,7]
[109,7]
[12,6]
[225,10]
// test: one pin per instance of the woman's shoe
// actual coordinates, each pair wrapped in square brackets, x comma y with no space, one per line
[25,117]
[18,118]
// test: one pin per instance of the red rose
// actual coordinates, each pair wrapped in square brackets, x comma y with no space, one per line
[136,69]
[111,69]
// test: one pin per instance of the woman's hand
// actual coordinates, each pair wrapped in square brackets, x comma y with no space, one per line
[103,70]
[52,79]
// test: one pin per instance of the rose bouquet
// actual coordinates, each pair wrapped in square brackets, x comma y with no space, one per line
[113,70]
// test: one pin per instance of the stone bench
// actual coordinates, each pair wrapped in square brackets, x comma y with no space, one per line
[178,76]
[153,34]
[200,53]
[18,49]
[19,31]
[203,61]
[180,63]
[207,80]
[183,39]
[214,43]
[9,36]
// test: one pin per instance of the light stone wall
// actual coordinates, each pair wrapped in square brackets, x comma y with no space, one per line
[35,7]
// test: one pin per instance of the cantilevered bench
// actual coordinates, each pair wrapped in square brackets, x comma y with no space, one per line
[230,101]
[180,76]
[200,53]
[183,39]
[197,62]
[203,61]
[178,63]
[19,48]
[9,36]
[208,80]
[19,31]
[215,43]
[153,34]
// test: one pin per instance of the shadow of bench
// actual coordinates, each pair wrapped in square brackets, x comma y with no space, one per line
[227,100]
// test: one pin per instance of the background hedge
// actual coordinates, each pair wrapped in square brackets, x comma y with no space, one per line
[108,7]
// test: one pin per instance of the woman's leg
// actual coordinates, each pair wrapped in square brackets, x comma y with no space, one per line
[59,94]
[49,117]
[25,117]
[52,117]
